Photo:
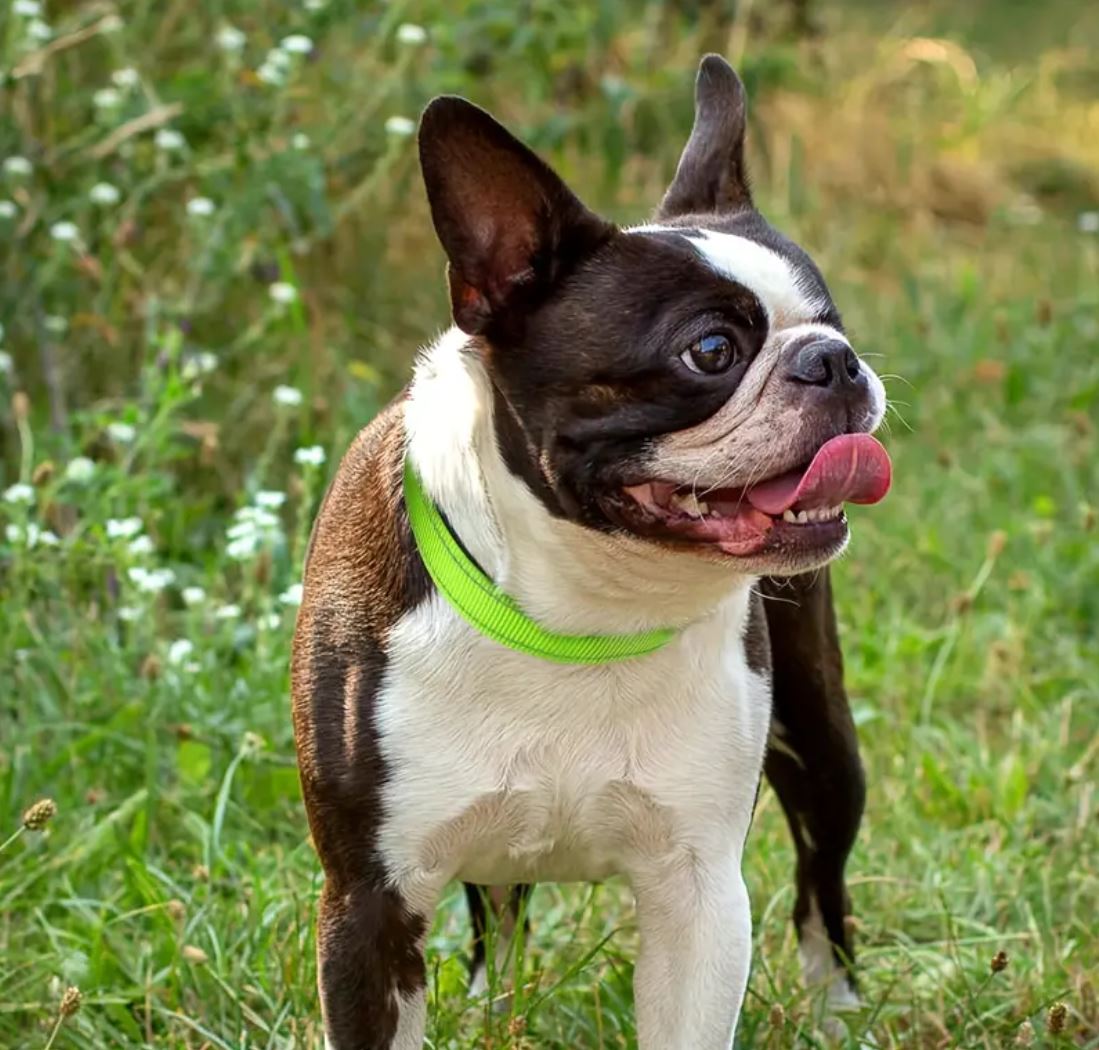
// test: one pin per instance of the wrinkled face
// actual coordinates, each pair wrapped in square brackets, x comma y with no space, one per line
[687,381]
[677,370]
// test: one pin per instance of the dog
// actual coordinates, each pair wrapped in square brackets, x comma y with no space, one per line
[533,643]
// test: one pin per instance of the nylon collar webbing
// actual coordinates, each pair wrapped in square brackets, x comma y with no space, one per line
[495,614]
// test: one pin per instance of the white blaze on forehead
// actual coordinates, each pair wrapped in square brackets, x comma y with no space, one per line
[774,280]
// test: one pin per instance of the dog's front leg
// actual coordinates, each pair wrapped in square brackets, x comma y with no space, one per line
[370,969]
[696,940]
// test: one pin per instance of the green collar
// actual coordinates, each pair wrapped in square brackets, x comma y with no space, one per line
[487,608]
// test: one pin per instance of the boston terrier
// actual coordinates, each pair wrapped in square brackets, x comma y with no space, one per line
[533,643]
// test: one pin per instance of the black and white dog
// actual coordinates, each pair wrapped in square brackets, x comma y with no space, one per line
[625,430]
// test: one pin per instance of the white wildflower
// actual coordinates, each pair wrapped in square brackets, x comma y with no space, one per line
[309,456]
[243,548]
[200,364]
[256,518]
[400,127]
[39,30]
[56,324]
[411,34]
[121,432]
[26,8]
[179,650]
[296,44]
[314,5]
[1088,222]
[20,492]
[141,545]
[193,595]
[79,469]
[17,166]
[129,613]
[271,74]
[30,536]
[270,499]
[126,77]
[151,581]
[200,207]
[169,140]
[282,292]
[104,193]
[300,140]
[107,98]
[8,209]
[64,231]
[7,363]
[252,528]
[229,38]
[123,528]
[287,396]
[227,612]
[276,66]
[271,622]
[292,595]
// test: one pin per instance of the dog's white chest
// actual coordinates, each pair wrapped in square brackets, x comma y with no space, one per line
[504,768]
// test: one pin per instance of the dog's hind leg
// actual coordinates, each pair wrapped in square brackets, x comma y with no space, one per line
[813,765]
[507,905]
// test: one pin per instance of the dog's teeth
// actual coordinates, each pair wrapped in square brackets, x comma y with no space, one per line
[790,516]
[802,517]
[689,503]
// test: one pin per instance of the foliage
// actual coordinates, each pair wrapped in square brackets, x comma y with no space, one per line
[216,265]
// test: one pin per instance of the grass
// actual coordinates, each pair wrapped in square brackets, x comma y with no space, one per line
[941,165]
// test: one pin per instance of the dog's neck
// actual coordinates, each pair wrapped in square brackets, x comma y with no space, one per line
[567,577]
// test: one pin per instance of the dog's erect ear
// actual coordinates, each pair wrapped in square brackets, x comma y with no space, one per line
[711,175]
[508,224]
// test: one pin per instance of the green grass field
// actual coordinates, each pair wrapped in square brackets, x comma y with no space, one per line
[192,218]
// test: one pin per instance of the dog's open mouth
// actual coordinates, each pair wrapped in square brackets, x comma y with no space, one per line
[802,508]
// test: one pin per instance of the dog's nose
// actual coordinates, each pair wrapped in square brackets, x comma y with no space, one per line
[825,362]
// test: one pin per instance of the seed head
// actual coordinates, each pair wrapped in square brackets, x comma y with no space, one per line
[777,1016]
[70,1001]
[1055,1019]
[999,962]
[1025,1035]
[40,814]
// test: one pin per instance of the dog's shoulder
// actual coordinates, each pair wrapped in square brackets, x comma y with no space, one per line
[362,575]
[362,566]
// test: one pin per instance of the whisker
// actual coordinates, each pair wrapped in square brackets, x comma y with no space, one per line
[890,407]
[775,598]
[893,375]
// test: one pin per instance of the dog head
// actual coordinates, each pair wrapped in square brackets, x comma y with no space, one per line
[687,381]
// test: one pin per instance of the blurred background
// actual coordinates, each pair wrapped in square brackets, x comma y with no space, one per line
[216,265]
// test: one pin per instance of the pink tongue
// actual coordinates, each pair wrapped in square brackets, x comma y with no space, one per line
[851,468]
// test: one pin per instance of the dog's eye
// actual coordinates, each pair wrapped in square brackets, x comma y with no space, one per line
[710,355]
